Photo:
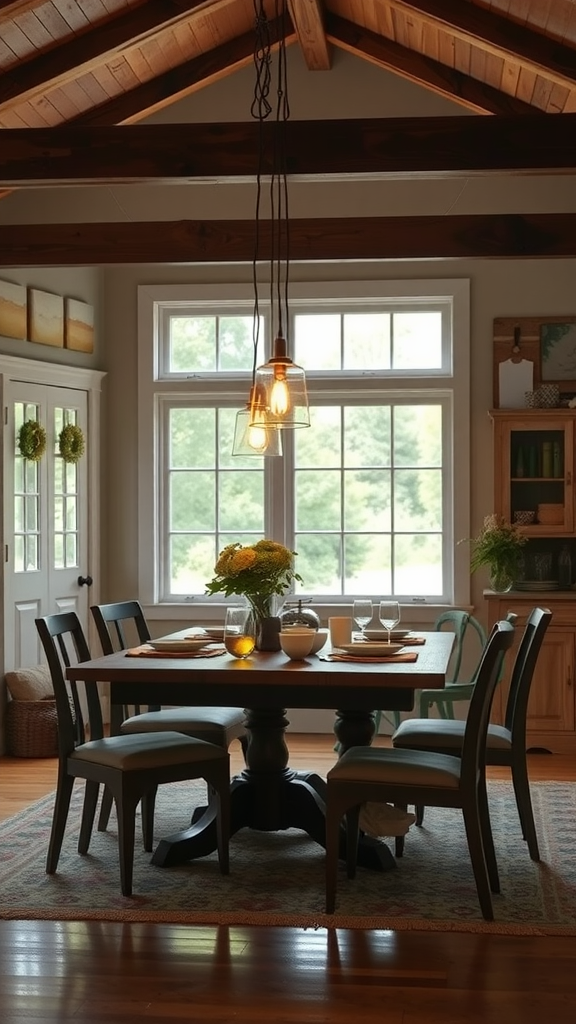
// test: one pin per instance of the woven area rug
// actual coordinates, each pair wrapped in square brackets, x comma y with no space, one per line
[278,878]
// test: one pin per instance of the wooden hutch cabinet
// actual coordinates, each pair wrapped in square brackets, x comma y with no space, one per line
[534,462]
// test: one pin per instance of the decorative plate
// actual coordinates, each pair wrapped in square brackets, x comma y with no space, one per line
[382,634]
[179,645]
[362,649]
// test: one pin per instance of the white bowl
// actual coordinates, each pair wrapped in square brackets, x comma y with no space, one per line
[297,644]
[320,638]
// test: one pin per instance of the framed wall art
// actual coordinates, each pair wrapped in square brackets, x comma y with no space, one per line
[79,326]
[531,351]
[45,318]
[12,310]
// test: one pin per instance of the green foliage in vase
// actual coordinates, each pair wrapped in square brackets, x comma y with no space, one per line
[258,571]
[498,546]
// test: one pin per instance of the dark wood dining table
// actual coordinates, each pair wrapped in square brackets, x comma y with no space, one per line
[268,795]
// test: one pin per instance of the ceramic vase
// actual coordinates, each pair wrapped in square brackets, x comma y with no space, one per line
[268,633]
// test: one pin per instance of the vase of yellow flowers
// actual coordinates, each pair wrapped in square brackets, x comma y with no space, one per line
[498,546]
[259,572]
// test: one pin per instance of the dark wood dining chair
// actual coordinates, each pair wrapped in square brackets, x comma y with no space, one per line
[131,767]
[212,724]
[505,744]
[403,777]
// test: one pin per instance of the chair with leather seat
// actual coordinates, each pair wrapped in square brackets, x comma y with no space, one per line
[403,777]
[131,767]
[505,744]
[212,724]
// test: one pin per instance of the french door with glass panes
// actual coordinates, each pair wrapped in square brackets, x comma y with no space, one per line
[45,517]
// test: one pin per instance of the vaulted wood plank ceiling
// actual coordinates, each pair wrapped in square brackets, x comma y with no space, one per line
[117,62]
[102,63]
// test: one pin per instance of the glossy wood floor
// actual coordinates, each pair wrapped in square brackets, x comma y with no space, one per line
[96,972]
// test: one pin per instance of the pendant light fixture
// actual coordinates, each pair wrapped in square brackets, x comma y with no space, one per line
[279,383]
[254,434]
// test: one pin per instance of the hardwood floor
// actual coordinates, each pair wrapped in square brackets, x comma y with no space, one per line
[92,972]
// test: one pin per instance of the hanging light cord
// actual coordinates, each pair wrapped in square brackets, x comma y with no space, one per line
[280,242]
[260,110]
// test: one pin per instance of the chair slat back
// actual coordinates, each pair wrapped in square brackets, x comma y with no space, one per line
[458,622]
[111,622]
[523,673]
[474,743]
[64,644]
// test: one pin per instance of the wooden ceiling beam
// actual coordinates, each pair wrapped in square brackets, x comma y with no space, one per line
[421,147]
[65,63]
[492,236]
[469,92]
[308,20]
[500,36]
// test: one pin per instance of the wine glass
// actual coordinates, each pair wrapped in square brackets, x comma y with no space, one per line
[239,631]
[362,612]
[389,614]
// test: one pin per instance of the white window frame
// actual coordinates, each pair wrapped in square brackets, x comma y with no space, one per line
[450,385]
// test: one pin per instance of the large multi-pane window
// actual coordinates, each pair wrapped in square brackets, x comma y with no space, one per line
[365,495]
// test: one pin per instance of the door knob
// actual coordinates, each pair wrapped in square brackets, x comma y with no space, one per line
[85,581]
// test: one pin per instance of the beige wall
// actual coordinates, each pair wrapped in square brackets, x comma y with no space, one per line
[352,89]
[498,288]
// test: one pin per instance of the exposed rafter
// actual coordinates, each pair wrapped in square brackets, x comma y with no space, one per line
[308,19]
[66,62]
[373,238]
[497,35]
[181,81]
[393,147]
[415,67]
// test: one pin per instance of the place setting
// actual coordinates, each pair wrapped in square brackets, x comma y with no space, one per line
[371,645]
[196,645]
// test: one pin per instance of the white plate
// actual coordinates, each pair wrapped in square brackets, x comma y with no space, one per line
[367,650]
[215,633]
[382,634]
[179,645]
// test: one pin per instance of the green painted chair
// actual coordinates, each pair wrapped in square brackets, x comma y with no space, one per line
[456,689]
[458,622]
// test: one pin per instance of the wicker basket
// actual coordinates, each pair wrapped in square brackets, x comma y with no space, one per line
[32,728]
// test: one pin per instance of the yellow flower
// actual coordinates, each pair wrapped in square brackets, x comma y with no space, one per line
[240,560]
[257,571]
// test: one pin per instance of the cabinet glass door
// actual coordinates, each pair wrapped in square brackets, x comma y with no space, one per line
[537,477]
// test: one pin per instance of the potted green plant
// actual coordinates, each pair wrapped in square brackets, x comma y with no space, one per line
[498,546]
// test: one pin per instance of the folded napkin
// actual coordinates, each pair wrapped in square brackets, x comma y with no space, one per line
[145,651]
[384,820]
[395,658]
[411,640]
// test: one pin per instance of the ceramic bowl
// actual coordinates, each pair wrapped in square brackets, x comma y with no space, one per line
[320,635]
[320,638]
[297,643]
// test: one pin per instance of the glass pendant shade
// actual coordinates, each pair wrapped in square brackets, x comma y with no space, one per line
[253,434]
[282,385]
